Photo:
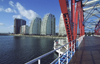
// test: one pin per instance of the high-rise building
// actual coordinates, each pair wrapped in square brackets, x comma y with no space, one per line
[24,29]
[62,30]
[17,24]
[35,26]
[48,25]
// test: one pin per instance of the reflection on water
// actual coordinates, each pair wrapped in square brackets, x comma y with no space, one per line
[18,50]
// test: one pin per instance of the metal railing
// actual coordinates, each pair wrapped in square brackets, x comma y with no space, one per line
[69,53]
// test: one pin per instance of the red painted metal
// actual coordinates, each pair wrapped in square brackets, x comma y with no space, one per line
[76,23]
[73,20]
[97,28]
[83,32]
[75,15]
[82,19]
[79,8]
[64,5]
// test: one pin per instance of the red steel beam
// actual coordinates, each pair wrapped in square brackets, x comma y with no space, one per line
[97,28]
[73,20]
[64,8]
[76,24]
[73,17]
[72,32]
[81,17]
[83,32]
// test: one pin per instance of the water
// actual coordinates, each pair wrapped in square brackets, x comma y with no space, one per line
[21,49]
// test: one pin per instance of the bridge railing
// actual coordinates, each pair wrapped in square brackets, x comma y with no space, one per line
[68,54]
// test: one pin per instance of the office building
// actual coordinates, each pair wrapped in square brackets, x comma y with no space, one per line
[62,31]
[17,24]
[48,25]
[24,29]
[35,26]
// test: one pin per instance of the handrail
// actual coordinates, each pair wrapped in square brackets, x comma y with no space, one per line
[48,53]
[62,54]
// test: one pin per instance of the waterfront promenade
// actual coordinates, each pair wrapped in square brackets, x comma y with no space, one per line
[44,36]
[88,52]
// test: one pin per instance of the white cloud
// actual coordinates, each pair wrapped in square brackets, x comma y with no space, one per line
[8,10]
[11,3]
[29,23]
[1,9]
[6,29]
[15,11]
[1,24]
[29,14]
[17,16]
[2,0]
[12,25]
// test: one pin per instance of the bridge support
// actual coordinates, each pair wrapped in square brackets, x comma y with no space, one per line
[64,8]
[71,25]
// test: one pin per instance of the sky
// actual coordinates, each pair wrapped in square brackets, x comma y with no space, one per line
[93,20]
[27,10]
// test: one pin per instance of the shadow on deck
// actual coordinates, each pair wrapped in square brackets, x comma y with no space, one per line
[88,51]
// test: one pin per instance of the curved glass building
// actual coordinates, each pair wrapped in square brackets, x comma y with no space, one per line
[35,26]
[62,30]
[48,25]
[24,29]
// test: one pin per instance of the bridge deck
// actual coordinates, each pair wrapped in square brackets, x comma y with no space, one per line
[88,51]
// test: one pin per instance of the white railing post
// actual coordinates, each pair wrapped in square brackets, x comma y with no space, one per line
[58,41]
[59,53]
[68,51]
[71,49]
[39,61]
[59,57]
[67,55]
[74,45]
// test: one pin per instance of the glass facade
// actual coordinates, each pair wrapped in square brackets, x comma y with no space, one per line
[35,26]
[48,25]
[17,24]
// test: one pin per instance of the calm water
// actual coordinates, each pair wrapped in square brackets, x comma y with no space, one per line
[19,50]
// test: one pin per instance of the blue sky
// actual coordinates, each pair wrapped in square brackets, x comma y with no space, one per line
[27,10]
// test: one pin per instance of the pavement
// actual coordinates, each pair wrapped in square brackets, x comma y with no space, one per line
[88,52]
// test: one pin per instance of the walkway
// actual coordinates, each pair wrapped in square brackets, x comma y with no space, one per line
[88,51]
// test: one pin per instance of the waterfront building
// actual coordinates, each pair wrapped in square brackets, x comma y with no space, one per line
[48,25]
[35,26]
[24,29]
[62,30]
[17,24]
